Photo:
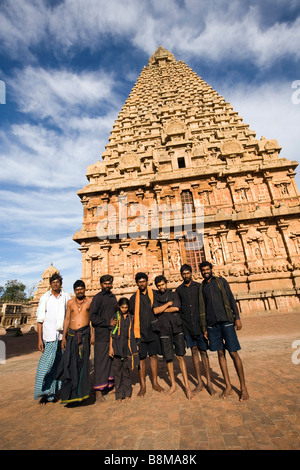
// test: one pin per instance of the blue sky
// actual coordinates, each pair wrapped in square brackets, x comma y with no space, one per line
[68,67]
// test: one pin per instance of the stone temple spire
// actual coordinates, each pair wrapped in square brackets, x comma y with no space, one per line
[167,97]
[161,54]
[178,142]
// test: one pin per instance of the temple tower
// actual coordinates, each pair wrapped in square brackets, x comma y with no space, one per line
[178,154]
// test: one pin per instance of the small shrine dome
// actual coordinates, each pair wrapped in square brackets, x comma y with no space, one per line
[49,271]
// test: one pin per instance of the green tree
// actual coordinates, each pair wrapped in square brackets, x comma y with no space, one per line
[13,291]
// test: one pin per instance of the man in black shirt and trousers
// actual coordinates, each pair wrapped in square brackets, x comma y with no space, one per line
[102,309]
[219,318]
[188,293]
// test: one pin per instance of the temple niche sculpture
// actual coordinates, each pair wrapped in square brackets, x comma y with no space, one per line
[176,149]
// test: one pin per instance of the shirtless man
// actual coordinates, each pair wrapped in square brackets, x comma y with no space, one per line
[78,312]
[74,369]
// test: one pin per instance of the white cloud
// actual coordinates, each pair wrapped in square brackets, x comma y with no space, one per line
[28,213]
[37,229]
[39,157]
[212,30]
[269,110]
[22,24]
[59,93]
[68,120]
[88,21]
[75,106]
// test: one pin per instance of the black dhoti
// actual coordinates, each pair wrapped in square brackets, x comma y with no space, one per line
[103,367]
[74,369]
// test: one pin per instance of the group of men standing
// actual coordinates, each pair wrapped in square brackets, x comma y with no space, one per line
[199,316]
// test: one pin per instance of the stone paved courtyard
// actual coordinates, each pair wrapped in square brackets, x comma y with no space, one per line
[269,420]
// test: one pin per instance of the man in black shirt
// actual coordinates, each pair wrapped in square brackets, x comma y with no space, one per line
[188,293]
[102,310]
[219,317]
[147,340]
[166,306]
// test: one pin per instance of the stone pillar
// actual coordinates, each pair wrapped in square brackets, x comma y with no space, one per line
[268,179]
[242,233]
[283,226]
[213,183]
[89,267]
[83,249]
[182,250]
[124,264]
[106,249]
[143,244]
[231,183]
[223,240]
[293,182]
[165,258]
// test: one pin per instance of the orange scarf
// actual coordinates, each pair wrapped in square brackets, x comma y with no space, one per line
[136,326]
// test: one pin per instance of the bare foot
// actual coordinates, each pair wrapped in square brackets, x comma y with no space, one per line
[142,392]
[189,394]
[199,388]
[170,391]
[127,398]
[158,388]
[119,401]
[211,390]
[244,395]
[100,398]
[226,393]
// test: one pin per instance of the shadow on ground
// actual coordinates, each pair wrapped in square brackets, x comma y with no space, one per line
[19,345]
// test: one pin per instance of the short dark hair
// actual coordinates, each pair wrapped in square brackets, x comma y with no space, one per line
[159,279]
[185,267]
[106,277]
[139,276]
[78,283]
[123,301]
[56,276]
[204,264]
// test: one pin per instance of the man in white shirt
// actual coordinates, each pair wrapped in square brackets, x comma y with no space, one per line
[50,317]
